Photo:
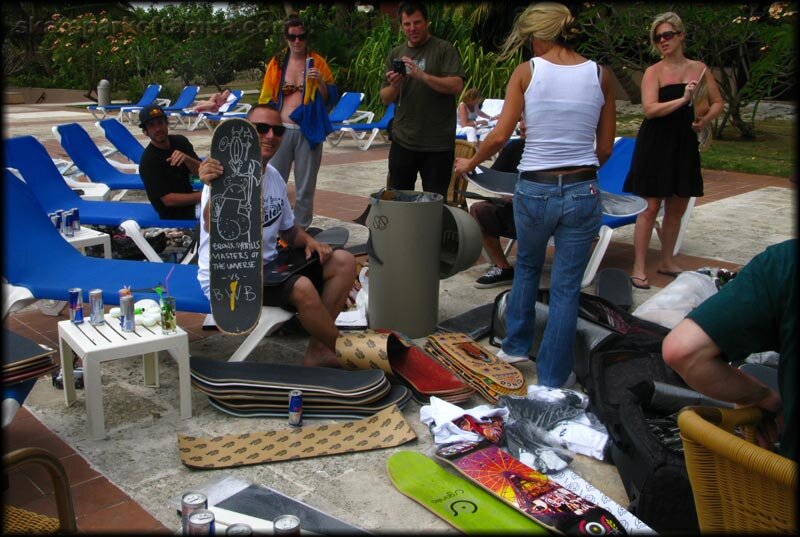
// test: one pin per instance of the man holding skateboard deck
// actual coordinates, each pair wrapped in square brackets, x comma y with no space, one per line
[317,291]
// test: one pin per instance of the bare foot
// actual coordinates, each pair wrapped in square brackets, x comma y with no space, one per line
[320,356]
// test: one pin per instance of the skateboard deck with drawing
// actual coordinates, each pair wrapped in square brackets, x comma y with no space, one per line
[235,242]
[455,500]
[529,491]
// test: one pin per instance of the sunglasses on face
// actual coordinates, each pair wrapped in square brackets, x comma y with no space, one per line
[294,37]
[264,128]
[666,36]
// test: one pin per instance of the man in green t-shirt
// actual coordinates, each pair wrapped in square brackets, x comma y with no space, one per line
[424,83]
[754,312]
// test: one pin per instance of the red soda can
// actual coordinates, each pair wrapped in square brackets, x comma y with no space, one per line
[295,408]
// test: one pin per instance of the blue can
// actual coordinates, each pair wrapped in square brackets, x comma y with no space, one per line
[69,231]
[295,408]
[76,219]
[75,305]
[61,221]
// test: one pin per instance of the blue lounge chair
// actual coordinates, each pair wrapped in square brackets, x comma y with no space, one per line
[121,138]
[346,110]
[191,120]
[48,267]
[184,100]
[84,153]
[29,157]
[148,97]
[367,132]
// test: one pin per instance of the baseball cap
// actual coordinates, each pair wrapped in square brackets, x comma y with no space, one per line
[149,112]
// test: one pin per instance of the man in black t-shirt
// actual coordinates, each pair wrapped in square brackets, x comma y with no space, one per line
[167,164]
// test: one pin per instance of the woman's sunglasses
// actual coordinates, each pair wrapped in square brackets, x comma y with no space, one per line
[665,36]
[294,37]
[264,128]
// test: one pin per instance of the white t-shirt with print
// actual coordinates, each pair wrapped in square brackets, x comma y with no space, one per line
[277,213]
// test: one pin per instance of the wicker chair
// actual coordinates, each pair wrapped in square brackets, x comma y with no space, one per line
[738,486]
[458,183]
[17,520]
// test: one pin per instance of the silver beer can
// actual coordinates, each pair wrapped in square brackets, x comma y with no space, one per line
[126,318]
[239,528]
[96,307]
[191,502]
[286,525]
[201,522]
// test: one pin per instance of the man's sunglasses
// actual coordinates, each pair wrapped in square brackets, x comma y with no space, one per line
[294,37]
[666,36]
[264,128]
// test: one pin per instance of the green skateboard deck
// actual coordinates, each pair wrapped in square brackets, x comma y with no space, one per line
[458,502]
[235,241]
[528,491]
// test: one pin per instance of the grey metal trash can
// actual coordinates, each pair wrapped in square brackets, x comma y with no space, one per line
[405,236]
[104,93]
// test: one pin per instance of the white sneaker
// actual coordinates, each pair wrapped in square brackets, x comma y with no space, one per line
[507,358]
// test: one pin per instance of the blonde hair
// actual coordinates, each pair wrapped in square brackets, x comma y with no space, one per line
[668,17]
[548,21]
[471,95]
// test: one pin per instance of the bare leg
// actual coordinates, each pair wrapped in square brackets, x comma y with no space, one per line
[674,207]
[495,251]
[641,237]
[338,274]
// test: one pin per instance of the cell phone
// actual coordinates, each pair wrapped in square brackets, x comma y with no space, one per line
[309,63]
[399,67]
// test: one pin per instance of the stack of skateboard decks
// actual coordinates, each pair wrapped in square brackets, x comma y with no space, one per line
[403,362]
[253,389]
[480,368]
[23,359]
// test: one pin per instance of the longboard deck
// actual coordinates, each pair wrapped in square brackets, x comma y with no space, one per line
[285,376]
[615,286]
[504,183]
[235,241]
[265,503]
[529,491]
[455,500]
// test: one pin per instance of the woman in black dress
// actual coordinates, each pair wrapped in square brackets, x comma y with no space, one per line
[666,162]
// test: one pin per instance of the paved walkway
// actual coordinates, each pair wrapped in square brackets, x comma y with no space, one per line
[346,178]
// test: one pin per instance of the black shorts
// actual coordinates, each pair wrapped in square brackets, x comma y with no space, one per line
[495,219]
[278,295]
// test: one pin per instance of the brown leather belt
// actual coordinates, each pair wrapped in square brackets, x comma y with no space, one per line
[559,178]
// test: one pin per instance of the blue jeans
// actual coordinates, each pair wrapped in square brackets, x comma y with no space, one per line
[571,214]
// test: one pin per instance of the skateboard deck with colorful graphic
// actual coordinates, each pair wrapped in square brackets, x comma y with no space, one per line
[455,500]
[235,243]
[529,491]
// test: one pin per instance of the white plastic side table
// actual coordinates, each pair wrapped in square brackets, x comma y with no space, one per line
[106,342]
[89,237]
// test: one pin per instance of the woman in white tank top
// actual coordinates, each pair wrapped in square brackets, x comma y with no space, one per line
[570,114]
